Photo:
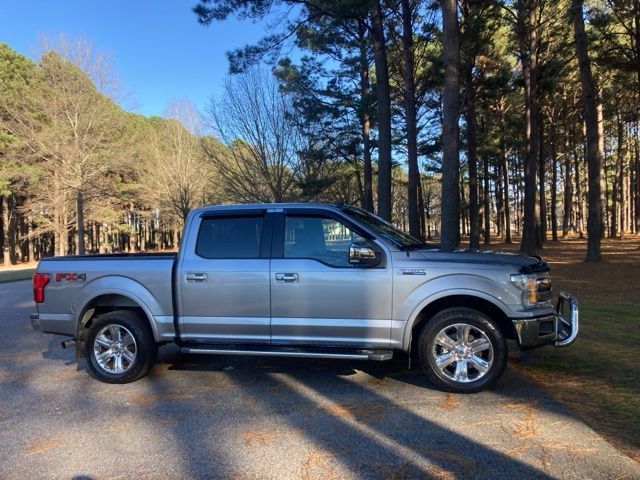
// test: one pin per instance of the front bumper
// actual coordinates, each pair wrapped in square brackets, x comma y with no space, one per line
[559,329]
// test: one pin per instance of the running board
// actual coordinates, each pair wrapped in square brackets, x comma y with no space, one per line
[378,355]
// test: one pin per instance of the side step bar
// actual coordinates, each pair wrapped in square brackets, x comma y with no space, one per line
[378,355]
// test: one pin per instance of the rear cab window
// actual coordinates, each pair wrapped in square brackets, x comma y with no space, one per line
[228,237]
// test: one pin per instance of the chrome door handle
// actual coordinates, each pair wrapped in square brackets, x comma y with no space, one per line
[286,277]
[196,277]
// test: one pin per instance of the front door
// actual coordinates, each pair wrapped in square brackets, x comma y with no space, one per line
[224,280]
[317,296]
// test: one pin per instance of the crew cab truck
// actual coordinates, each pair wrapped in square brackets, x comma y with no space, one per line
[303,280]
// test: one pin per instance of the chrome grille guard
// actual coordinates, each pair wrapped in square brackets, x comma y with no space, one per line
[567,330]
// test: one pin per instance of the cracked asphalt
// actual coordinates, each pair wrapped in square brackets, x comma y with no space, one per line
[253,418]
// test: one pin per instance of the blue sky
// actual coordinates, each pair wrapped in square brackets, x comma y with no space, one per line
[159,50]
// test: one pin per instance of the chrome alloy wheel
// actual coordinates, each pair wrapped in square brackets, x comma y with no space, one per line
[462,353]
[115,349]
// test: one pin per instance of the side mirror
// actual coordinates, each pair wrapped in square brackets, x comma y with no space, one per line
[362,255]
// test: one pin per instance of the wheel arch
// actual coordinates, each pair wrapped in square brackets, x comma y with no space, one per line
[114,292]
[107,300]
[462,300]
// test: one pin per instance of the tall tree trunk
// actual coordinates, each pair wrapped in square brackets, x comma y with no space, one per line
[554,182]
[607,198]
[111,239]
[34,240]
[594,155]
[620,179]
[472,159]
[472,141]
[627,203]
[80,221]
[92,236]
[486,203]
[25,244]
[384,111]
[365,121]
[507,205]
[427,211]
[143,235]
[6,237]
[529,51]
[613,232]
[579,203]
[504,159]
[411,118]
[542,197]
[636,190]
[499,199]
[359,185]
[603,179]
[449,234]
[517,194]
[421,210]
[568,182]
[99,239]
[135,232]
[462,201]
[12,229]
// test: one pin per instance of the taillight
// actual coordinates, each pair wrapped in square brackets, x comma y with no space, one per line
[40,281]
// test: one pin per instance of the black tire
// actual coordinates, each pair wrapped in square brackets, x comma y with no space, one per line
[480,325]
[145,347]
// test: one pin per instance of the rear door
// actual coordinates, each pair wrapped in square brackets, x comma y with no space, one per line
[317,296]
[224,278]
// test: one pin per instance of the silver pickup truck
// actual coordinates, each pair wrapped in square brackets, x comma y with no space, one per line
[303,280]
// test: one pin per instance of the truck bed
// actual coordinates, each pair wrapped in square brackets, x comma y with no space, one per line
[74,279]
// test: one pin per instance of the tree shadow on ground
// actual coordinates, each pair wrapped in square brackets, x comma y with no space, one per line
[355,427]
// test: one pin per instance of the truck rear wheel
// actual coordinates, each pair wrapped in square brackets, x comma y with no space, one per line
[120,347]
[462,350]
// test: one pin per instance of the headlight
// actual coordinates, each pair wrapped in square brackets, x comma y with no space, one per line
[528,284]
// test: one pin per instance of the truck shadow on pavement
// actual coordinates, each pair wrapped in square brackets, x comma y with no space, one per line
[376,425]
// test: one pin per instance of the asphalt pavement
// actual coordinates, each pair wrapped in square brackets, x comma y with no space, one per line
[253,418]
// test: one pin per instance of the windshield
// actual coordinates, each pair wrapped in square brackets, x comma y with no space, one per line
[384,228]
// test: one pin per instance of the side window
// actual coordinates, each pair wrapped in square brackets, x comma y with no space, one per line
[319,238]
[229,237]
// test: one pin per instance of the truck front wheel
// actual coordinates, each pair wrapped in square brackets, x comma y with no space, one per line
[462,350]
[120,347]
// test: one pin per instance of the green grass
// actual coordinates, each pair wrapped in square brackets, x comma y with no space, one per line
[11,275]
[599,375]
